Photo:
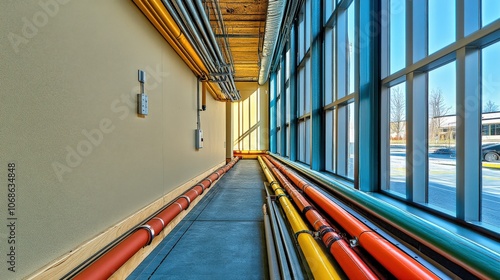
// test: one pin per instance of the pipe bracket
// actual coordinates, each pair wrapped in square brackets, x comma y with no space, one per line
[202,187]
[151,233]
[354,242]
[281,195]
[304,231]
[307,209]
[210,180]
[161,220]
[187,199]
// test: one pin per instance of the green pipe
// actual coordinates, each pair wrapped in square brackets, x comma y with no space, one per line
[477,259]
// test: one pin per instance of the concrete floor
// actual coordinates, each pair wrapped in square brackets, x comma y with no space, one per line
[221,238]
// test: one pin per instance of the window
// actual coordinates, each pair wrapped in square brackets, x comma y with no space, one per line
[448,90]
[490,138]
[490,11]
[340,90]
[441,27]
[397,33]
[396,136]
[441,137]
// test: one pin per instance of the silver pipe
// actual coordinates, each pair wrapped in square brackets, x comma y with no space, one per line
[181,9]
[186,33]
[272,260]
[208,27]
[196,16]
[275,13]
[283,263]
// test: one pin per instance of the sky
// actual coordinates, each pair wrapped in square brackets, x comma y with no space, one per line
[442,33]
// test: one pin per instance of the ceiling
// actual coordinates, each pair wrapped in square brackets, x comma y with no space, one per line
[244,26]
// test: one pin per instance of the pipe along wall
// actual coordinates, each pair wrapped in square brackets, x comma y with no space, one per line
[318,262]
[112,260]
[351,263]
[394,260]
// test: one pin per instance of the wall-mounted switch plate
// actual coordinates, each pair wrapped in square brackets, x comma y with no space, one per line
[199,138]
[142,104]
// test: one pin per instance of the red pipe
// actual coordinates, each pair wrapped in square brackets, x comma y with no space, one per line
[398,263]
[112,260]
[350,262]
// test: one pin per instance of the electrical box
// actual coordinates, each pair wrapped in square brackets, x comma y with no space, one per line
[142,104]
[199,138]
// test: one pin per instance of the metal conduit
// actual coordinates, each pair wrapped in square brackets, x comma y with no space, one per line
[215,63]
[394,260]
[272,259]
[113,259]
[351,263]
[318,262]
[274,18]
[176,26]
[468,254]
[290,266]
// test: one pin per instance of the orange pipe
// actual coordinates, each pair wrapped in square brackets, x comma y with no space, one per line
[392,258]
[112,260]
[350,262]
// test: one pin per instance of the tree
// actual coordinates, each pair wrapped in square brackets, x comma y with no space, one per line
[490,106]
[437,109]
[398,111]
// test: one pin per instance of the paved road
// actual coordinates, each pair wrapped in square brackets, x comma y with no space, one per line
[442,184]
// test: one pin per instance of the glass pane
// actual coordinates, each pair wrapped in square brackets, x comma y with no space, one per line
[351,142]
[441,133]
[308,25]
[397,35]
[307,141]
[329,141]
[328,66]
[490,11]
[301,89]
[307,84]
[287,63]
[287,105]
[352,48]
[301,35]
[287,152]
[328,6]
[278,141]
[301,138]
[441,24]
[397,139]
[491,135]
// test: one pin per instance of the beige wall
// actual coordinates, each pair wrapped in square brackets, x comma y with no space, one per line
[251,118]
[72,66]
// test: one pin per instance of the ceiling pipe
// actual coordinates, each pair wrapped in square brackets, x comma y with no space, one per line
[398,263]
[274,19]
[318,261]
[353,266]
[190,42]
[113,259]
[168,32]
[180,15]
[217,66]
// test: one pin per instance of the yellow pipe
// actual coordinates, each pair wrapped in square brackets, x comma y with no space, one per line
[317,260]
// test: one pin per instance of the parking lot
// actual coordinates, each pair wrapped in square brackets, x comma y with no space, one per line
[442,183]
